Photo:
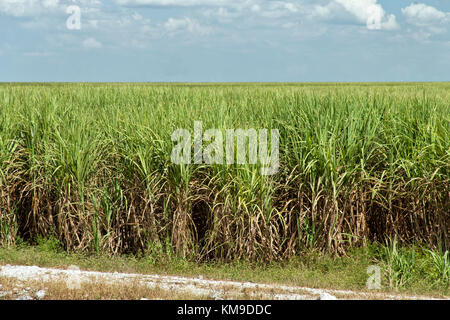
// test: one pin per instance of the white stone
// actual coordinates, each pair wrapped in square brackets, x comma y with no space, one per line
[40,294]
[327,296]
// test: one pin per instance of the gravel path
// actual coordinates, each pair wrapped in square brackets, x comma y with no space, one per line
[214,289]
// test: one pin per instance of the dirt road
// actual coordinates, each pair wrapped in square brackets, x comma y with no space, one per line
[74,278]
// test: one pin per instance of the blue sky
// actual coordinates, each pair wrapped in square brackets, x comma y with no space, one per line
[225,40]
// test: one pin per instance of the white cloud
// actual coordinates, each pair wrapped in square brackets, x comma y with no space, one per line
[38,54]
[22,8]
[278,9]
[321,11]
[371,13]
[423,15]
[291,7]
[186,24]
[91,43]
[39,8]
[255,8]
[178,3]
[137,16]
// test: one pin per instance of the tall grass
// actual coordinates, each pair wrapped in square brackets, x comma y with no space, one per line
[90,164]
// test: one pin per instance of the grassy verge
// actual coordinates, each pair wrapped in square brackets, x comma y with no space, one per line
[409,270]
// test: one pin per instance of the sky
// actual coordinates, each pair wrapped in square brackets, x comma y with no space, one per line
[224,40]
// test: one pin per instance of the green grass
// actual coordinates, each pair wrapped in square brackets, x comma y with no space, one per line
[403,266]
[90,165]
